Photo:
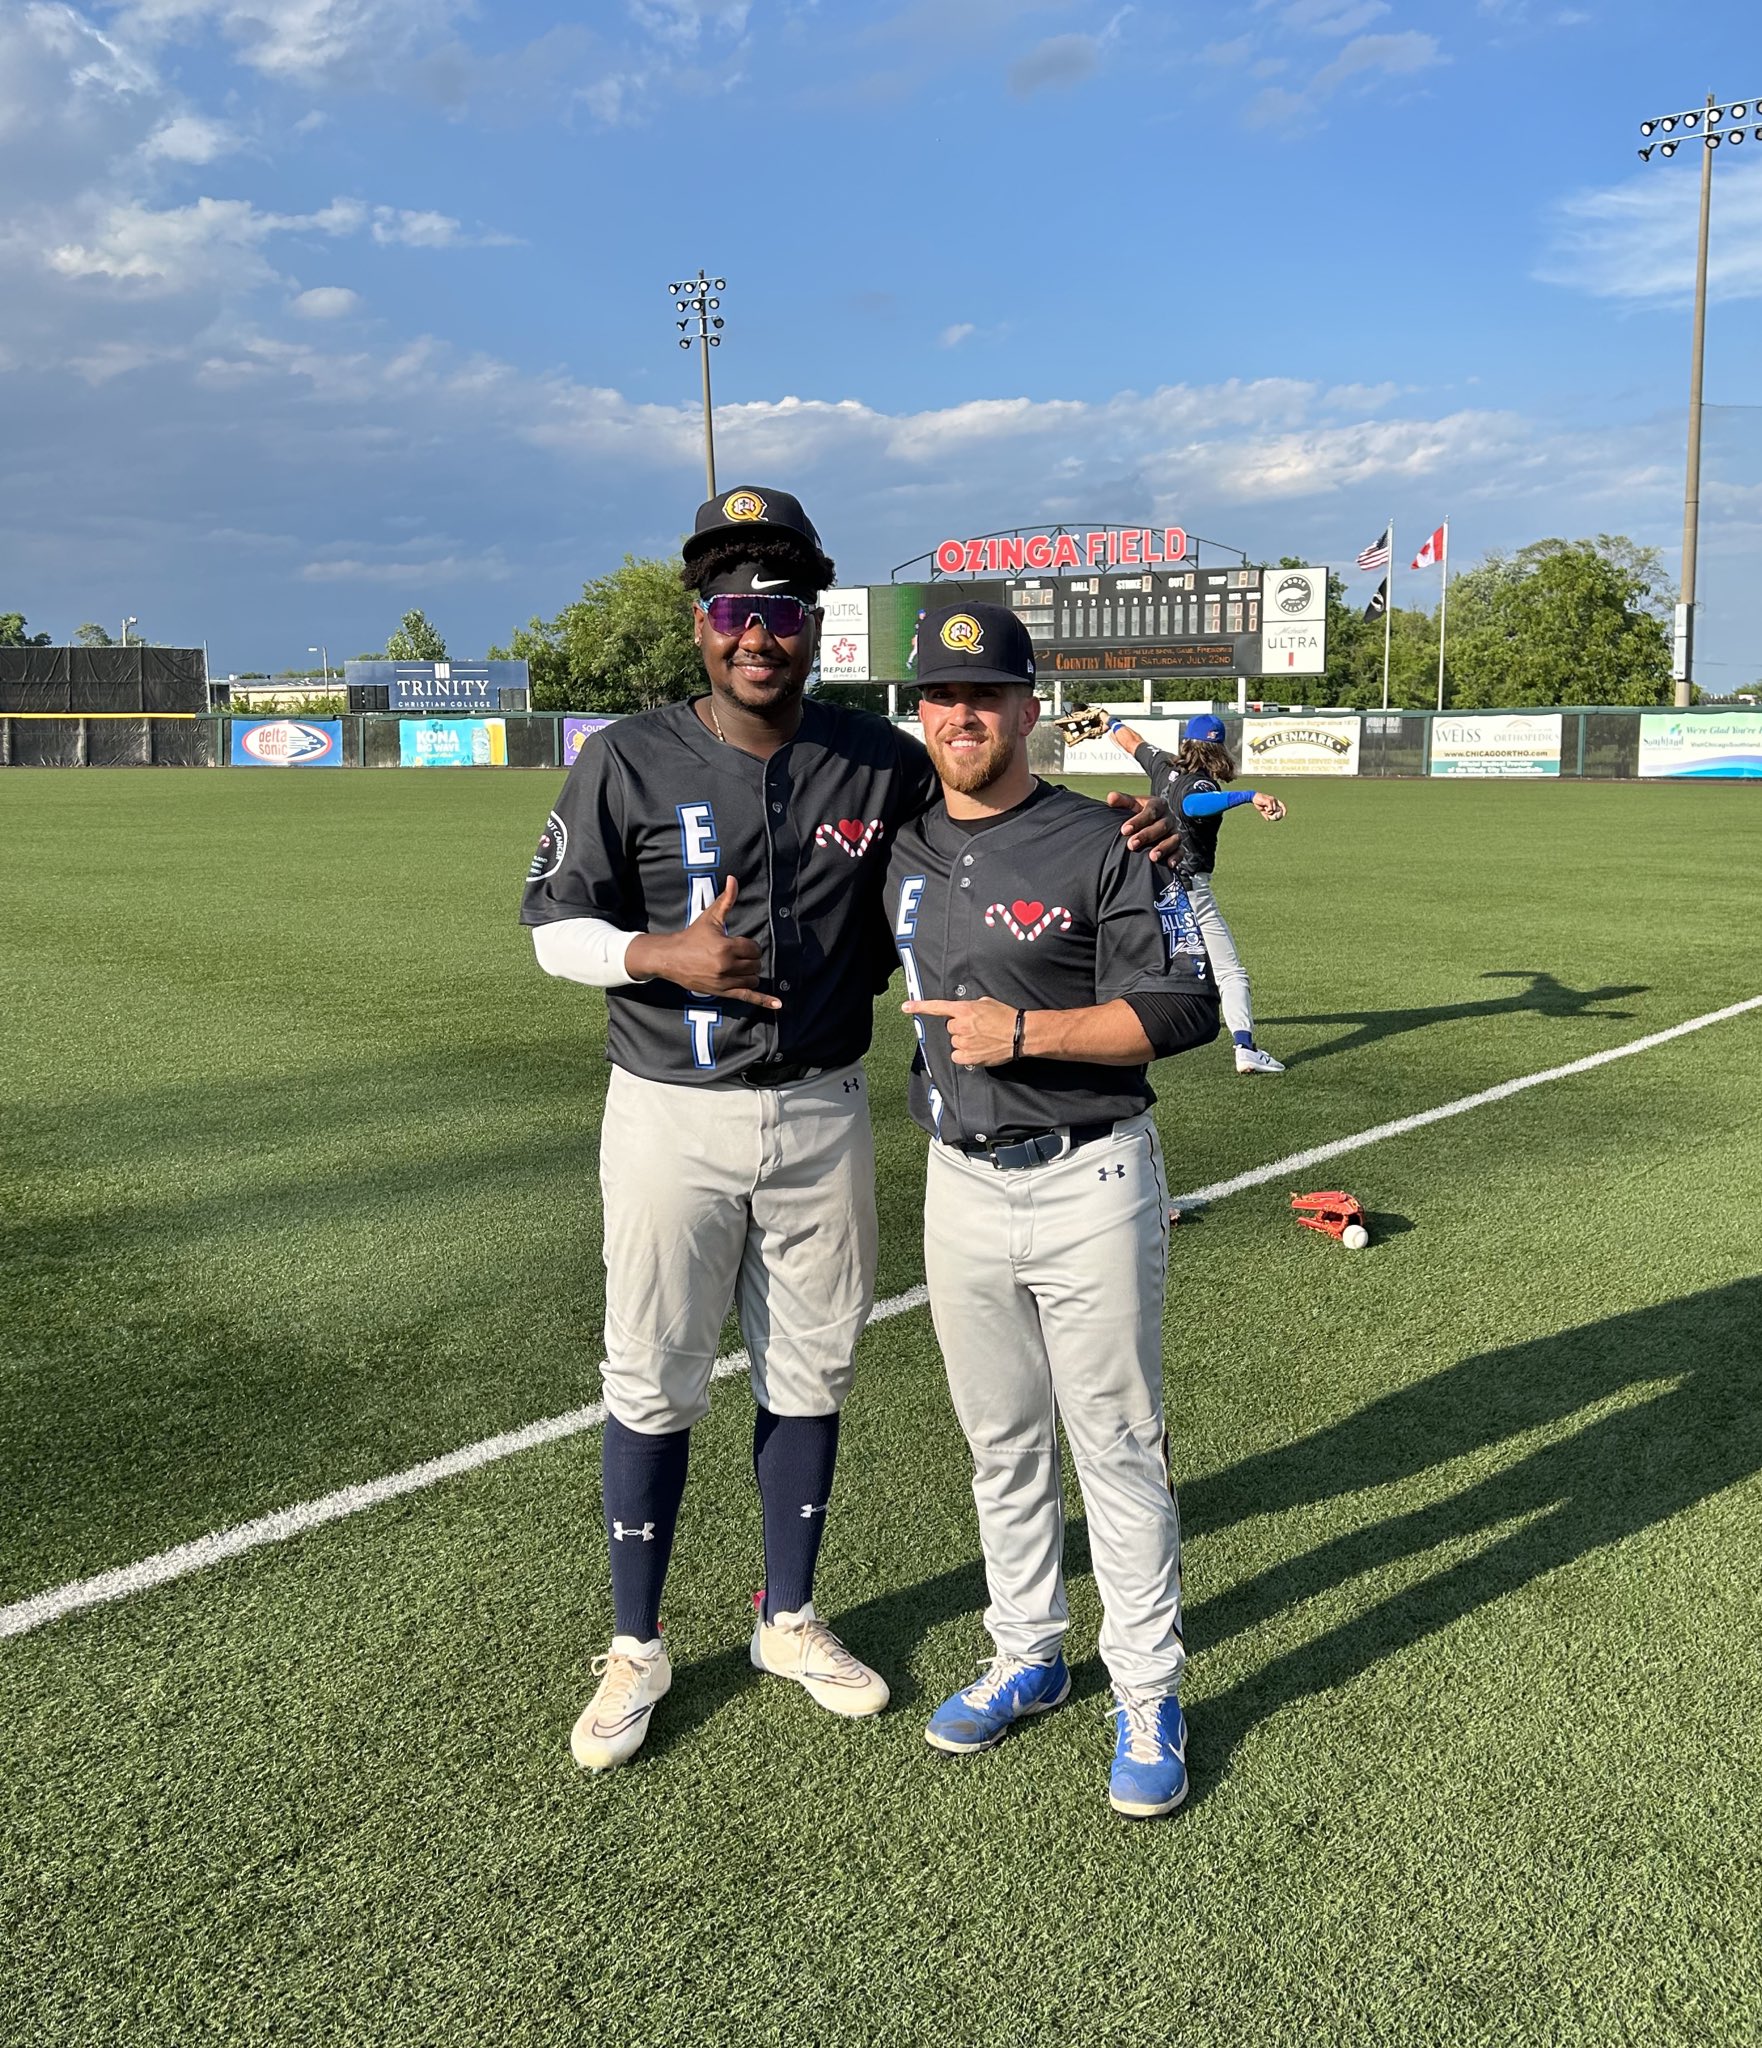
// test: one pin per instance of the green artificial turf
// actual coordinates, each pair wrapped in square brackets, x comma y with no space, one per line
[300,1186]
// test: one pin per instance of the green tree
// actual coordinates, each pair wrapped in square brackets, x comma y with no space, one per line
[13,633]
[624,645]
[415,640]
[1560,622]
[90,635]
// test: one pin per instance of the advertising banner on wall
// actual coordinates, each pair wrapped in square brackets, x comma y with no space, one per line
[1300,746]
[1101,757]
[453,743]
[287,743]
[575,730]
[1709,743]
[1497,743]
[442,685]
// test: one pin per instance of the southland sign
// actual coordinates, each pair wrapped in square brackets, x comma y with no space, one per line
[1094,547]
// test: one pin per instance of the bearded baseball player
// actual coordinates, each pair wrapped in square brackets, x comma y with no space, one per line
[1191,781]
[1044,979]
[716,866]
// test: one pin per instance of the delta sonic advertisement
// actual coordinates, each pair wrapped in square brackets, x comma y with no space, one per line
[1515,743]
[453,743]
[575,732]
[287,743]
[1705,743]
[1300,746]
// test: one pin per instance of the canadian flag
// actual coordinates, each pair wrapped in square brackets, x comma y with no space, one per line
[1432,553]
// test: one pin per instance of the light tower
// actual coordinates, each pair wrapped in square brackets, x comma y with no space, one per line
[692,297]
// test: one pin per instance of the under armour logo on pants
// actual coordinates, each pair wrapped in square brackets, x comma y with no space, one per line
[645,1534]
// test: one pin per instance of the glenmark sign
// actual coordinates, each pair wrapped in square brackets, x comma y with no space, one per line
[1096,547]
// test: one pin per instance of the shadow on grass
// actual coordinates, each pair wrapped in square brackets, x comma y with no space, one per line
[1620,1466]
[1544,997]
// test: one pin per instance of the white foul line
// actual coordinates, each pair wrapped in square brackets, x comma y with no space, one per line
[59,1601]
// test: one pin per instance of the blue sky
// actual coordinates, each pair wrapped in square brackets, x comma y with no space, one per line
[315,311]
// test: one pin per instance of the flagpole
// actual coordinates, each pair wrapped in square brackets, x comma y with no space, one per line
[1443,602]
[1388,611]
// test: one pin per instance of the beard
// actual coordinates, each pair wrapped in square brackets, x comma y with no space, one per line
[970,772]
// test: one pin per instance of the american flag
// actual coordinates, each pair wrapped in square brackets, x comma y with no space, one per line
[1376,556]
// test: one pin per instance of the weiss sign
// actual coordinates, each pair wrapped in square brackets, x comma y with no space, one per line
[1097,547]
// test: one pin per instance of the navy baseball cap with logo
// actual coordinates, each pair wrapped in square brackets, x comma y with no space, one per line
[1204,727]
[749,510]
[974,643]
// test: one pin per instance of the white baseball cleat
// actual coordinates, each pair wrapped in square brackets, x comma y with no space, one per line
[1251,1060]
[632,1675]
[802,1647]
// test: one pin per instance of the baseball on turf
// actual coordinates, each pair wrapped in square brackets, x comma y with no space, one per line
[1355,1237]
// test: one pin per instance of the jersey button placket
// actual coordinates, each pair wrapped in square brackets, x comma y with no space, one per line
[784,861]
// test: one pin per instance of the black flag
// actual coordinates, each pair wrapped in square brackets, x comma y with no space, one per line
[1379,601]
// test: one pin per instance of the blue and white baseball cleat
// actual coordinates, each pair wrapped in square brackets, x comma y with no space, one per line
[1150,1754]
[980,1714]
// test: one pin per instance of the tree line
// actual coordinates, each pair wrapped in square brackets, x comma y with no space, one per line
[1556,622]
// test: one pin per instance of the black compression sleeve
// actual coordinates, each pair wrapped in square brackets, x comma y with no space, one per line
[1176,1023]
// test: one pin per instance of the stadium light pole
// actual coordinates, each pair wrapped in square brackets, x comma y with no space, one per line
[691,296]
[1712,125]
[323,654]
[131,620]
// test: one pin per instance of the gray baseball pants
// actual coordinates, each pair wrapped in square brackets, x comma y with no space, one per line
[1046,1289]
[1227,971]
[761,1198]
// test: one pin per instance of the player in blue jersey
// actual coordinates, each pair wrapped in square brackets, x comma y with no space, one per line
[1191,781]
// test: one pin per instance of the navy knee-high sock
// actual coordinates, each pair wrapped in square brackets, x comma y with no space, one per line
[793,1456]
[643,1478]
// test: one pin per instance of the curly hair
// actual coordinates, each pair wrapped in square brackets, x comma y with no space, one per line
[784,552]
[1206,757]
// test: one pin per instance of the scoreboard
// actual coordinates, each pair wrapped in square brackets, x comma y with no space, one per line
[1181,622]
[1104,620]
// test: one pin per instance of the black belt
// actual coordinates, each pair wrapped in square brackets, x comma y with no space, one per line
[776,1074]
[1037,1147]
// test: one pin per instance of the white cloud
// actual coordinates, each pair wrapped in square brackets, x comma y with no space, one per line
[1058,61]
[306,42]
[190,139]
[952,337]
[406,571]
[326,302]
[1370,57]
[1331,17]
[1636,241]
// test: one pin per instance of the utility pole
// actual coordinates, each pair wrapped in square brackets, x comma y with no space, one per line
[1712,124]
[691,296]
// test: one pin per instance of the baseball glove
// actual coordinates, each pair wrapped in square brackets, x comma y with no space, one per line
[1084,722]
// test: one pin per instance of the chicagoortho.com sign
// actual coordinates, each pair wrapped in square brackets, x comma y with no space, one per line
[1094,547]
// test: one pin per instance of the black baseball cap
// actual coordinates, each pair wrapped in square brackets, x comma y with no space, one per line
[974,643]
[749,509]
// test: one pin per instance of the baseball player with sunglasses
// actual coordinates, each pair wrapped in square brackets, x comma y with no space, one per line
[1044,978]
[717,866]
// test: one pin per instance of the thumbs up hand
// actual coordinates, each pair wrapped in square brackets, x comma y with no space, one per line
[703,958]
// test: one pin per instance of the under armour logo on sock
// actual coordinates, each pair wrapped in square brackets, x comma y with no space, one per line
[646,1534]
[809,1511]
[850,1087]
[1118,1172]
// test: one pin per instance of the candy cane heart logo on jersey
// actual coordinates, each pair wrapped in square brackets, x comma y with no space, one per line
[1027,921]
[553,843]
[743,505]
[850,835]
[963,634]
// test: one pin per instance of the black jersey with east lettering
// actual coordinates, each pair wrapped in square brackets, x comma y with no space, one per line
[1043,909]
[657,813]
[1198,854]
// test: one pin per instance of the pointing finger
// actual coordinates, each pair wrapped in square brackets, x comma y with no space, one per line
[932,1009]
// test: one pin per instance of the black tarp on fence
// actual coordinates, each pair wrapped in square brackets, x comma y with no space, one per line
[103,679]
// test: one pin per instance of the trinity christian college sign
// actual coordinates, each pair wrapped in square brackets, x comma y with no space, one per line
[1109,547]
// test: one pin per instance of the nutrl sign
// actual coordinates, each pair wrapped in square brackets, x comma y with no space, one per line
[1097,547]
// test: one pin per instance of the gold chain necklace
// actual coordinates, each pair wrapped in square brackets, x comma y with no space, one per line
[715,722]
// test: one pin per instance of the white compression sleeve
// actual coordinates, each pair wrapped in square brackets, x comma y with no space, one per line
[584,949]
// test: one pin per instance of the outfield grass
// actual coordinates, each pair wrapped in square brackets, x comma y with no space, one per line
[300,1188]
